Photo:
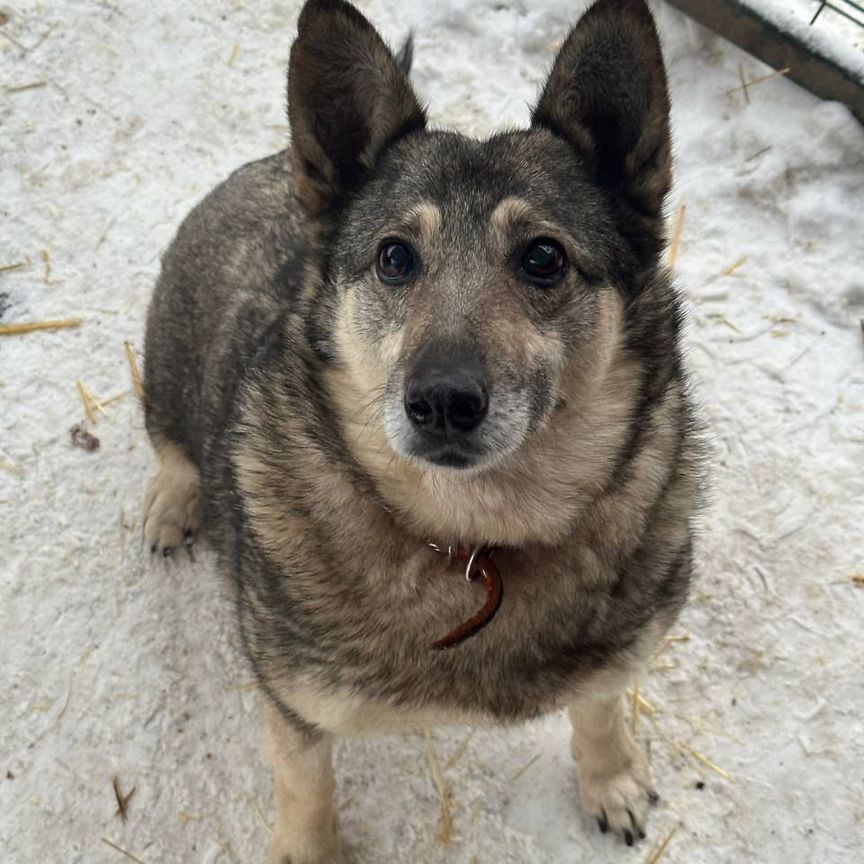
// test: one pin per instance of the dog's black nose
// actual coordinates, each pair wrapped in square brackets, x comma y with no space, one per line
[439,401]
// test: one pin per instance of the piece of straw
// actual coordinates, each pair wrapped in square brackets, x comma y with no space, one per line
[745,85]
[31,326]
[460,751]
[133,368]
[16,265]
[677,231]
[20,88]
[94,402]
[743,81]
[655,855]
[728,271]
[121,850]
[85,399]
[46,260]
[115,398]
[445,835]
[524,768]
[705,760]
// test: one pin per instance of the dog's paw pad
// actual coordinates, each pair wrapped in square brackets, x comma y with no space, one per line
[172,508]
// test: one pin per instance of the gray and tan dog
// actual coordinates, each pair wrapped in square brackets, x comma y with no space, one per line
[387,337]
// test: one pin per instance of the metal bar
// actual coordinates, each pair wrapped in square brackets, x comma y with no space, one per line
[842,12]
[740,23]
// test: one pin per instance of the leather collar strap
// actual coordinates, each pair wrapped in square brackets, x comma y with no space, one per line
[478,565]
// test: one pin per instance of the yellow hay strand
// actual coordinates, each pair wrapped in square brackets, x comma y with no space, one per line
[655,855]
[677,231]
[745,85]
[728,271]
[524,768]
[94,402]
[705,761]
[115,398]
[121,850]
[634,708]
[234,52]
[445,835]
[743,81]
[667,643]
[20,88]
[459,752]
[15,265]
[85,399]
[133,368]
[46,260]
[30,326]
[645,706]
[259,813]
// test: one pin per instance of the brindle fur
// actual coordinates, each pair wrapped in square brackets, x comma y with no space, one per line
[276,362]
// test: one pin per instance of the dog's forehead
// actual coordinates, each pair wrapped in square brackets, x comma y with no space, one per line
[467,180]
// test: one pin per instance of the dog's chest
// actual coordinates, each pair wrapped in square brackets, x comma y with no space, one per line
[529,658]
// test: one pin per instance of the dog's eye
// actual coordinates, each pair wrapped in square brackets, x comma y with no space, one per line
[544,261]
[395,262]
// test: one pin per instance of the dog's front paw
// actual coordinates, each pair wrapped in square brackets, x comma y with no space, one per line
[618,795]
[172,508]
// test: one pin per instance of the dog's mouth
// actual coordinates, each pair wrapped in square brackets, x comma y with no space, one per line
[460,453]
[456,456]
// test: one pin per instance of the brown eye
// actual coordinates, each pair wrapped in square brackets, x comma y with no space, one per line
[543,261]
[395,262]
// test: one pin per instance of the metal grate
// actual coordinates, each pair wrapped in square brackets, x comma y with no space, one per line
[849,9]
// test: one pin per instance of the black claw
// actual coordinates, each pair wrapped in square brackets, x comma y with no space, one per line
[628,837]
[603,823]
[653,797]
[153,549]
[188,536]
[636,826]
[167,551]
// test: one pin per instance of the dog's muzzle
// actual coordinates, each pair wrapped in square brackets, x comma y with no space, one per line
[446,401]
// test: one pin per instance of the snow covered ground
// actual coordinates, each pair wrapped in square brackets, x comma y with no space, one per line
[112,666]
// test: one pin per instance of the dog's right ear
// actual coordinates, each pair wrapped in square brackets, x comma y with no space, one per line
[348,98]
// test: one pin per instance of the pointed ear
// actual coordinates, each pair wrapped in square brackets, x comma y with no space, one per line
[348,99]
[607,96]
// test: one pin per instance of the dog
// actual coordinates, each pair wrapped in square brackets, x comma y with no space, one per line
[387,358]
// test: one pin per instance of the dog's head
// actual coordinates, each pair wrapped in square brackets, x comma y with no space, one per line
[463,280]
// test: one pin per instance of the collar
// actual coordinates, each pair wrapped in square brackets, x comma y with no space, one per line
[478,565]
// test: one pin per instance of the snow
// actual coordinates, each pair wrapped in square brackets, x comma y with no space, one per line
[115,666]
[833,34]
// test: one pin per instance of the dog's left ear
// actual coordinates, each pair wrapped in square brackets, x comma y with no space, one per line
[607,96]
[348,98]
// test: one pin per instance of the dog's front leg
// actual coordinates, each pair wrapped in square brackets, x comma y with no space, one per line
[306,825]
[614,777]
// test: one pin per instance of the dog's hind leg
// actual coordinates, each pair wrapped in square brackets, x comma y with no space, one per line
[306,829]
[614,777]
[172,506]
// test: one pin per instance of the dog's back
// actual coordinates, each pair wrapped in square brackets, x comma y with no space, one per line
[234,268]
